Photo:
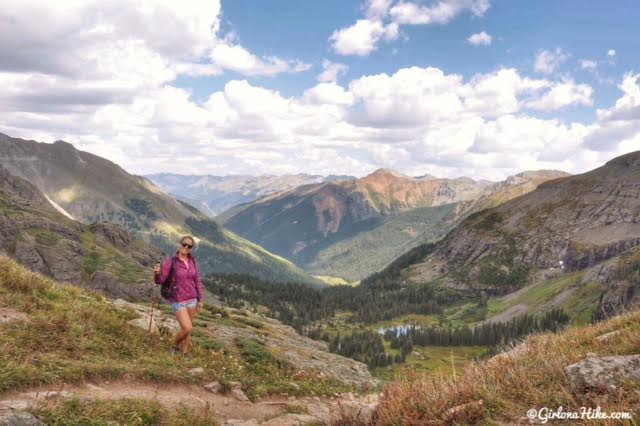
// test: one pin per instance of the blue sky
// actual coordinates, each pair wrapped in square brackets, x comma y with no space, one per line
[520,29]
[481,88]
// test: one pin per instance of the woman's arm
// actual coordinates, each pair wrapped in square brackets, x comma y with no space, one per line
[199,286]
[166,268]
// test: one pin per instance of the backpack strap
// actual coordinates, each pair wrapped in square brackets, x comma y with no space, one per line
[173,268]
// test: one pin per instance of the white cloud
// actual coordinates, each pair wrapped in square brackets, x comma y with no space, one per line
[619,125]
[587,64]
[383,20]
[237,58]
[104,84]
[547,61]
[138,42]
[611,53]
[361,38]
[331,71]
[377,8]
[406,12]
[480,39]
[562,95]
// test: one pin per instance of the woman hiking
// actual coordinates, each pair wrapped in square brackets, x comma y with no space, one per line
[189,295]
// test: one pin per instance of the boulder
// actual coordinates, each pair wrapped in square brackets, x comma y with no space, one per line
[19,418]
[238,394]
[320,411]
[215,387]
[605,337]
[603,373]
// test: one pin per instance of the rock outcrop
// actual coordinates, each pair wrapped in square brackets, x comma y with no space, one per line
[570,223]
[603,373]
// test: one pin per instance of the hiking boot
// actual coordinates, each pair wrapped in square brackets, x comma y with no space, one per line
[174,350]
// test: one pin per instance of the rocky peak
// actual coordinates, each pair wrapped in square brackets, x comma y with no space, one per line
[16,186]
[386,174]
[627,160]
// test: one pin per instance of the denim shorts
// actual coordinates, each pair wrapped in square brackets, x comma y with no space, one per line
[175,307]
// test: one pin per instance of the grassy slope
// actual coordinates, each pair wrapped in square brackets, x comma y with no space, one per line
[509,386]
[357,257]
[73,335]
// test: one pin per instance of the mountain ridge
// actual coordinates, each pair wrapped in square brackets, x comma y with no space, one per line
[93,189]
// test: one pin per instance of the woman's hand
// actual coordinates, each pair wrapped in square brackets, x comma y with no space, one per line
[200,305]
[156,268]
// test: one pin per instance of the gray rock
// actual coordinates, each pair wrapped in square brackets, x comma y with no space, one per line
[19,418]
[240,422]
[28,255]
[604,373]
[64,260]
[292,420]
[320,411]
[607,336]
[111,285]
[196,370]
[8,315]
[215,387]
[238,394]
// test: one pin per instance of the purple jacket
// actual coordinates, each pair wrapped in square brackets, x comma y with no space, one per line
[187,278]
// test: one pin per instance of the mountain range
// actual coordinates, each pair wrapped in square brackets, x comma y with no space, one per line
[350,228]
[573,242]
[216,194]
[91,189]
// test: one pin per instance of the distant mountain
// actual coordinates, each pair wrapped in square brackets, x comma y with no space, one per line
[100,256]
[355,258]
[92,189]
[573,242]
[216,194]
[352,228]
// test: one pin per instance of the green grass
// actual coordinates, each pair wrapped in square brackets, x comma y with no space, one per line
[535,296]
[463,314]
[44,236]
[432,360]
[111,260]
[73,336]
[581,305]
[508,386]
[126,411]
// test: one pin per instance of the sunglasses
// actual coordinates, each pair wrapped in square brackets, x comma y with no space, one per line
[187,245]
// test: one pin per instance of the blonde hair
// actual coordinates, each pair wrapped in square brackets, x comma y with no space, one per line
[184,237]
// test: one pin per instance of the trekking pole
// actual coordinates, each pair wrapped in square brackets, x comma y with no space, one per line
[154,303]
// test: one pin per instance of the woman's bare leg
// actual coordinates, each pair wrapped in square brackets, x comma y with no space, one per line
[186,326]
[192,313]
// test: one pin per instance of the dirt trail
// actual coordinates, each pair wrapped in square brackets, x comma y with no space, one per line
[222,407]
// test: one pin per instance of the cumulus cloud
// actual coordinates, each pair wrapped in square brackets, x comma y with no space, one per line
[619,125]
[122,104]
[547,62]
[480,39]
[383,19]
[134,41]
[611,53]
[239,59]
[406,12]
[362,37]
[331,71]
[562,95]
